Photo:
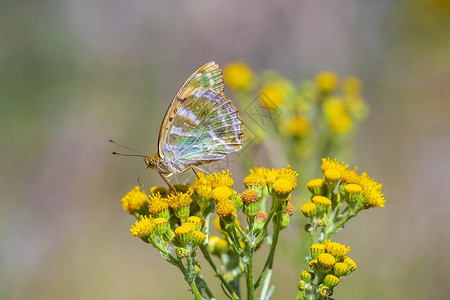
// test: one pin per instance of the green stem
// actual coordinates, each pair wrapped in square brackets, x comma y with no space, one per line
[191,278]
[217,271]
[266,284]
[269,262]
[250,285]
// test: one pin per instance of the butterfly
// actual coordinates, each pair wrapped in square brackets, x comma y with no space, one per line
[200,126]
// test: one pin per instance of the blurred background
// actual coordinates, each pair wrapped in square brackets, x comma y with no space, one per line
[75,73]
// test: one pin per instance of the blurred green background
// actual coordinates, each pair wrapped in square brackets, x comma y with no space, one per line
[75,73]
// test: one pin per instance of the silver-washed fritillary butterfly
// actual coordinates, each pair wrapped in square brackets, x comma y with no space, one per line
[199,127]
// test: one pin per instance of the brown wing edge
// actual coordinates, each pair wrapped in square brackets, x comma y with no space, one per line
[170,112]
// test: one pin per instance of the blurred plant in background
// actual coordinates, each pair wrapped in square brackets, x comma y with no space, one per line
[298,123]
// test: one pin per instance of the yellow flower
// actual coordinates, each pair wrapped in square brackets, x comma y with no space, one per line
[332,175]
[327,164]
[179,200]
[237,75]
[352,188]
[307,276]
[220,179]
[283,186]
[196,221]
[352,86]
[336,249]
[309,209]
[373,197]
[316,186]
[185,228]
[160,225]
[158,189]
[298,126]
[198,237]
[321,201]
[143,228]
[134,200]
[327,81]
[272,96]
[325,262]
[225,208]
[221,193]
[270,175]
[341,123]
[330,281]
[290,175]
[254,179]
[317,249]
[340,269]
[201,186]
[350,176]
[349,262]
[157,204]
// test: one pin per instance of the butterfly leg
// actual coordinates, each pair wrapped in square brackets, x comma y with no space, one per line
[166,179]
[199,169]
[139,180]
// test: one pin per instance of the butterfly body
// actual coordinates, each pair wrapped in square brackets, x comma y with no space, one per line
[200,126]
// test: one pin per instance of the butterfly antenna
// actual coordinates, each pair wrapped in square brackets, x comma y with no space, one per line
[122,154]
[114,142]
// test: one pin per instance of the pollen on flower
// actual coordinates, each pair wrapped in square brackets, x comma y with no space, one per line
[143,227]
[225,208]
[179,200]
[157,204]
[249,196]
[220,179]
[328,163]
[237,75]
[308,209]
[221,193]
[134,200]
[321,200]
[336,249]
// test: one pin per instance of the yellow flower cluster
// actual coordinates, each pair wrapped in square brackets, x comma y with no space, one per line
[356,187]
[134,200]
[330,261]
[143,228]
[283,181]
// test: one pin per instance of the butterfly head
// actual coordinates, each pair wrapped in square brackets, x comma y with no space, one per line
[153,160]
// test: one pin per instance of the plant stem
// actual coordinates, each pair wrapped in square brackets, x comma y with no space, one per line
[250,285]
[217,271]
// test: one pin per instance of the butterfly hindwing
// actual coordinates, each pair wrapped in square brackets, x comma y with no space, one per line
[206,128]
[207,77]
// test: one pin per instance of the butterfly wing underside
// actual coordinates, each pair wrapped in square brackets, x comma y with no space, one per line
[201,125]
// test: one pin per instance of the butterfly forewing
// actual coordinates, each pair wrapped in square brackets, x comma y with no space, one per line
[206,128]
